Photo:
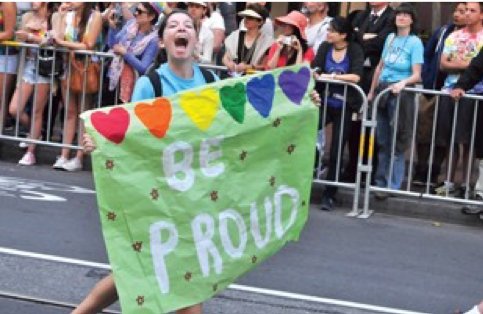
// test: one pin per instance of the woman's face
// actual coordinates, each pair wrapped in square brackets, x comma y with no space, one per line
[180,37]
[403,20]
[251,22]
[37,5]
[197,11]
[287,30]
[459,15]
[142,15]
[76,6]
[333,37]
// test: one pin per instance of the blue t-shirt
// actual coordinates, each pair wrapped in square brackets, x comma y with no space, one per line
[335,99]
[403,53]
[171,83]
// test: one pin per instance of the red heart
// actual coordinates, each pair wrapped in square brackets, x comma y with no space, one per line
[112,125]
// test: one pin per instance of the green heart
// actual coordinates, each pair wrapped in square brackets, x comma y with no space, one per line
[233,99]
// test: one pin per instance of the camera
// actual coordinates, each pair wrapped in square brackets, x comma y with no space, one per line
[287,40]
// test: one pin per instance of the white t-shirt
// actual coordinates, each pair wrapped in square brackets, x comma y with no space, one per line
[267,27]
[215,21]
[204,47]
[317,33]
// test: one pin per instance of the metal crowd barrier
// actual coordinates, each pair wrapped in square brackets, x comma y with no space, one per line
[409,190]
[54,84]
[340,142]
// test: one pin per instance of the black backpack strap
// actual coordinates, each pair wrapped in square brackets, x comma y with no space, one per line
[208,75]
[156,82]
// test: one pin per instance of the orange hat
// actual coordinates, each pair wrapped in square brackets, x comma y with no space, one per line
[296,19]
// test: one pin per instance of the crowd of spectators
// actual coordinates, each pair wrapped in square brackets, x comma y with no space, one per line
[376,48]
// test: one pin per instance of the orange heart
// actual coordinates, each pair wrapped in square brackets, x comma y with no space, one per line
[155,117]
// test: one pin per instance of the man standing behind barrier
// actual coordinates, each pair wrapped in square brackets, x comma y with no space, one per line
[471,77]
[460,47]
[316,30]
[372,27]
[433,79]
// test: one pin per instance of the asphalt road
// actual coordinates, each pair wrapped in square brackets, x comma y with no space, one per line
[386,261]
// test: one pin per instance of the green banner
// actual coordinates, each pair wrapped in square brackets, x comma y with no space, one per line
[198,188]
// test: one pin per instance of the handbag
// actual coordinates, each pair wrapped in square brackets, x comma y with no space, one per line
[79,73]
[47,67]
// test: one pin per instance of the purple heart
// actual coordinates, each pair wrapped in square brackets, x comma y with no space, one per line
[294,85]
[260,93]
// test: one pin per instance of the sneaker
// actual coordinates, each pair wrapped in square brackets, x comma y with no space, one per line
[27,160]
[59,164]
[381,196]
[72,165]
[327,204]
[443,187]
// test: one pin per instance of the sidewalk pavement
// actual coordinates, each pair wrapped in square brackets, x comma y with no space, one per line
[436,211]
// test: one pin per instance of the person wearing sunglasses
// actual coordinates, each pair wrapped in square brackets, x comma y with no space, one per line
[135,46]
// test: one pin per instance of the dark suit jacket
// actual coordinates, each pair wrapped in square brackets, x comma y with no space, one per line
[383,26]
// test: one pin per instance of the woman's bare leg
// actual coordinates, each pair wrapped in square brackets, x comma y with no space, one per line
[39,106]
[103,295]
[195,309]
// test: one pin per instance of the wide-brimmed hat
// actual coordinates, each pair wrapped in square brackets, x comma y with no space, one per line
[250,13]
[205,4]
[296,19]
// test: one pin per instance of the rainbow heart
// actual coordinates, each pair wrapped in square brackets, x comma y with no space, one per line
[112,125]
[201,108]
[260,94]
[155,117]
[294,85]
[233,99]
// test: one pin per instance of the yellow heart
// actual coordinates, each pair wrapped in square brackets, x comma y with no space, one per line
[201,108]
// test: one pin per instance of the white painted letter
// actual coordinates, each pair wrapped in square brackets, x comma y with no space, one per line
[204,244]
[171,168]
[255,224]
[230,249]
[294,195]
[206,157]
[160,249]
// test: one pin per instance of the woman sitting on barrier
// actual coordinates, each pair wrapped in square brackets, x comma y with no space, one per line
[247,50]
[81,29]
[33,30]
[400,66]
[8,55]
[339,58]
[136,46]
[291,47]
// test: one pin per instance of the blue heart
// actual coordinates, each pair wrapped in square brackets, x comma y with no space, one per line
[294,85]
[260,93]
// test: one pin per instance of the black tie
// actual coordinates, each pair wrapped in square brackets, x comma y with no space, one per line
[373,18]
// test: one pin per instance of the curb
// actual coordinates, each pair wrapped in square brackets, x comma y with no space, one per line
[436,211]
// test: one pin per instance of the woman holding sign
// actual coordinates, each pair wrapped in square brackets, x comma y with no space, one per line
[180,73]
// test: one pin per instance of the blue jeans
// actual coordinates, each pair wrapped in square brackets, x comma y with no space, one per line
[384,135]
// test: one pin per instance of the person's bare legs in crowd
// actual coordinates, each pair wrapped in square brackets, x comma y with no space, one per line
[104,294]
[8,80]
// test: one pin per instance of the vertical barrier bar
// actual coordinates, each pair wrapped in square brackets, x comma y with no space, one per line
[472,145]
[451,150]
[34,101]
[324,118]
[433,136]
[4,106]
[101,82]
[49,114]
[341,135]
[19,80]
[413,142]
[394,138]
[67,96]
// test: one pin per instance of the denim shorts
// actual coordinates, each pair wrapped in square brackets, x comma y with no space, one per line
[30,74]
[11,62]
